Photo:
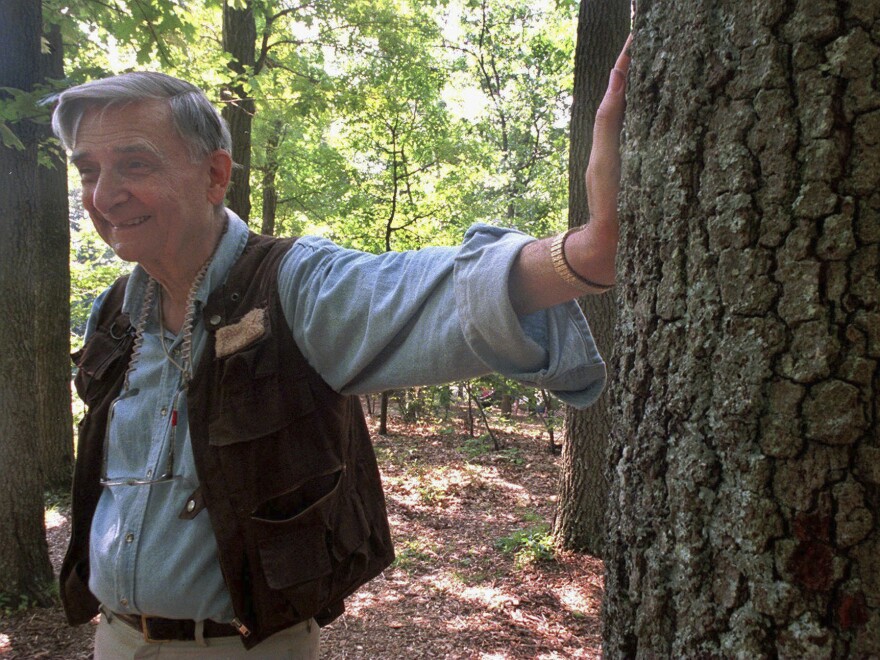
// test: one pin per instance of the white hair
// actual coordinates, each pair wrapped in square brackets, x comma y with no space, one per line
[196,120]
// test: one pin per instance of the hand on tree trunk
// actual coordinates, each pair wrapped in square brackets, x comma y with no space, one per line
[555,270]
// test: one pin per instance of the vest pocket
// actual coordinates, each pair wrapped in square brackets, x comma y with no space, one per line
[293,529]
[256,399]
[249,413]
[307,537]
[94,360]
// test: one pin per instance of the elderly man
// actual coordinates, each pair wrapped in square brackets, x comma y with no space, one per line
[226,495]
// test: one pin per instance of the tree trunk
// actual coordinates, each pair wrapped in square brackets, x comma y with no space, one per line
[24,560]
[505,406]
[239,40]
[270,202]
[270,172]
[383,413]
[470,414]
[746,443]
[583,487]
[548,420]
[52,327]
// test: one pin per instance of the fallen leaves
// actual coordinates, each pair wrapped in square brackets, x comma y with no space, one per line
[451,593]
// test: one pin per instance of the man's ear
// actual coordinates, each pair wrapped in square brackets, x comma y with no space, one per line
[219,170]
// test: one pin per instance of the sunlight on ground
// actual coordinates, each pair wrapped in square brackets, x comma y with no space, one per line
[576,601]
[490,597]
[54,519]
[4,642]
[436,486]
[363,600]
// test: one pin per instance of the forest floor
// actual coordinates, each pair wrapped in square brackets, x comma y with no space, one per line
[475,576]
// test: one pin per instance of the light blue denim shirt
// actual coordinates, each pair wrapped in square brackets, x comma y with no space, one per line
[365,323]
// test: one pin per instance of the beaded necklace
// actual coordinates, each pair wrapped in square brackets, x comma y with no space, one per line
[154,293]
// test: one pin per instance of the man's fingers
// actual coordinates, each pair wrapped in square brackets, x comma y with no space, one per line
[622,63]
[609,116]
[603,172]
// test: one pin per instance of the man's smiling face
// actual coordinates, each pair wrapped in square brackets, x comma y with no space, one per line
[148,199]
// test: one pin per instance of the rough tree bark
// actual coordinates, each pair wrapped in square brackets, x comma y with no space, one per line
[239,40]
[583,485]
[747,447]
[51,330]
[24,559]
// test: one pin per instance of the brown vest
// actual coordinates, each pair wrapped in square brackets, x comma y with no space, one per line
[287,470]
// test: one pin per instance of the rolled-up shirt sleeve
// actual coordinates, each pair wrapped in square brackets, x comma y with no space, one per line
[373,322]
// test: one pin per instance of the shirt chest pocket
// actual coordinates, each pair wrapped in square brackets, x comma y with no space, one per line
[257,398]
[98,362]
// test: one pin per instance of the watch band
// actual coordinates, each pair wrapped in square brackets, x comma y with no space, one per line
[564,269]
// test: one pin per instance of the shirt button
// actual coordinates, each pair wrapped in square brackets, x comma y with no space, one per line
[164,411]
[129,537]
[190,506]
[149,474]
[123,602]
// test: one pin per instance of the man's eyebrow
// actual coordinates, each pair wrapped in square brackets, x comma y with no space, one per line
[134,148]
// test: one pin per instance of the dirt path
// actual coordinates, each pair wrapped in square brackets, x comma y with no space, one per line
[471,579]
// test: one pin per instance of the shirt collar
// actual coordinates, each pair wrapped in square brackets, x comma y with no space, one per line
[232,244]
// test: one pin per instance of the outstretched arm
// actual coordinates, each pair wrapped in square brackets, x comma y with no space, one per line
[535,282]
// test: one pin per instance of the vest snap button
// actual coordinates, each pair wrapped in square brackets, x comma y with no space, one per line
[215,320]
[190,506]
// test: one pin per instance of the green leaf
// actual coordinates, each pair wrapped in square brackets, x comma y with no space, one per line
[8,138]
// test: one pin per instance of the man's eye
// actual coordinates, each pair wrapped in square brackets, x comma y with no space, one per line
[87,174]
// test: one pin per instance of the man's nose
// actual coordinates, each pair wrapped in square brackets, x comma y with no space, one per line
[109,191]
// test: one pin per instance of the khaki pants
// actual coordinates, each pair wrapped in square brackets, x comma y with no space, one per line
[116,640]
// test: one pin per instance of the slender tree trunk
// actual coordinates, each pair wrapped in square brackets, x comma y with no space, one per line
[270,202]
[383,413]
[470,415]
[239,40]
[505,406]
[24,560]
[52,327]
[547,418]
[746,442]
[473,397]
[583,486]
[270,172]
